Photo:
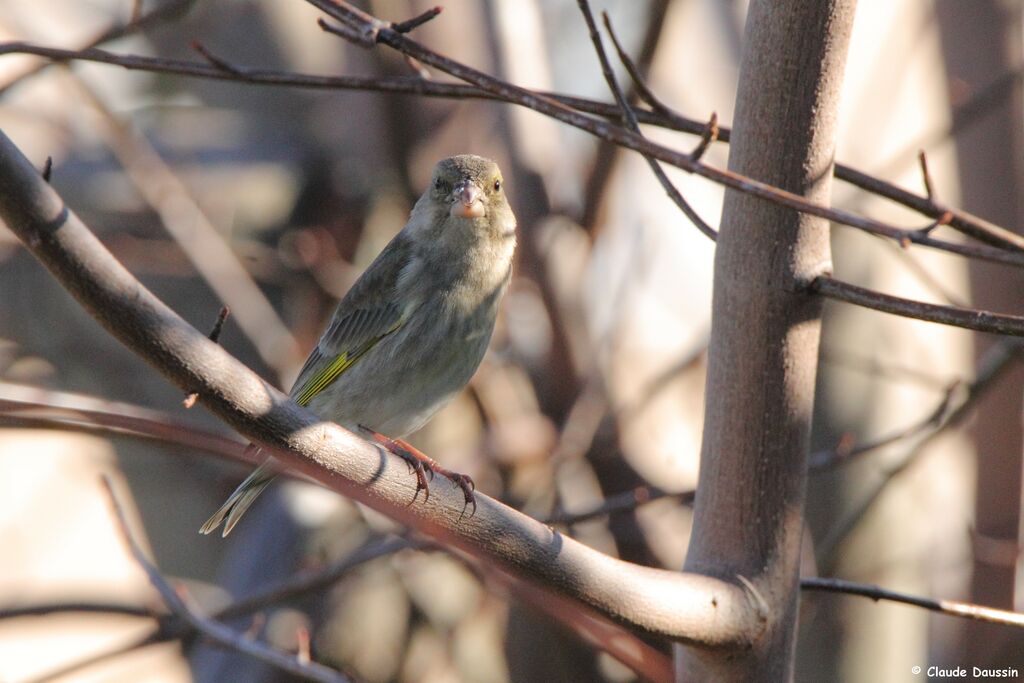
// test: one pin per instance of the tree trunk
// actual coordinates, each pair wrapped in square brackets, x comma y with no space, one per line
[765,329]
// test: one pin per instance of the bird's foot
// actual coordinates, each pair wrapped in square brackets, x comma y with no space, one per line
[421,464]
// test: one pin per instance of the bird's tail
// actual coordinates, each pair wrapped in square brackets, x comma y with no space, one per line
[239,501]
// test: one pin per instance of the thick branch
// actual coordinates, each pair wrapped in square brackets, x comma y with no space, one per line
[692,608]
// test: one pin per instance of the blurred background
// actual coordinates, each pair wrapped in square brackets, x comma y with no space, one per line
[272,201]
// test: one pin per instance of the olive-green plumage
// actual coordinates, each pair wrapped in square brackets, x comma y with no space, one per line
[410,333]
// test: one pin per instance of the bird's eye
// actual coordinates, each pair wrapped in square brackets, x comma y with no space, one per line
[438,184]
[497,185]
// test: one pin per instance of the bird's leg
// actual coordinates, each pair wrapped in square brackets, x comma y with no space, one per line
[399,449]
[421,463]
[463,481]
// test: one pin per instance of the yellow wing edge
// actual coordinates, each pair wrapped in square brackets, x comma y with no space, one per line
[340,364]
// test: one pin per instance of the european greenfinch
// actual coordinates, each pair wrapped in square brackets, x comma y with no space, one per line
[410,333]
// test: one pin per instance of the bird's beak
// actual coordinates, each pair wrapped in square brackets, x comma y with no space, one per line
[469,201]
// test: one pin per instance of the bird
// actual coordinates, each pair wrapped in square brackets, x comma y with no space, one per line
[410,333]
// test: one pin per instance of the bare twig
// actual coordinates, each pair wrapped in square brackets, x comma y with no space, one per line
[347,33]
[370,27]
[709,135]
[966,223]
[929,187]
[950,607]
[214,336]
[46,609]
[967,318]
[844,454]
[214,60]
[218,324]
[643,90]
[166,11]
[629,118]
[607,154]
[213,630]
[410,25]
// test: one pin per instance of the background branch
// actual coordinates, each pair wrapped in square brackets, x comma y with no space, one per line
[994,235]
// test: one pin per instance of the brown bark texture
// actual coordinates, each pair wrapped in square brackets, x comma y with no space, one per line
[765,327]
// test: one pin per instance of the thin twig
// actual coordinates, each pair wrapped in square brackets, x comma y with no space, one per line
[709,135]
[929,187]
[607,154]
[213,630]
[166,11]
[218,325]
[46,609]
[630,120]
[845,452]
[213,59]
[410,25]
[172,625]
[967,318]
[711,130]
[347,33]
[950,607]
[643,90]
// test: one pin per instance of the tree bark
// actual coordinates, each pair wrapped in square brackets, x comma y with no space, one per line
[765,327]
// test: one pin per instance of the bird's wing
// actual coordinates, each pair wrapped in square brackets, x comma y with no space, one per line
[370,311]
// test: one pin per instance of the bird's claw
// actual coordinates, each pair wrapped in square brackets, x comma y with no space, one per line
[468,486]
[422,466]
